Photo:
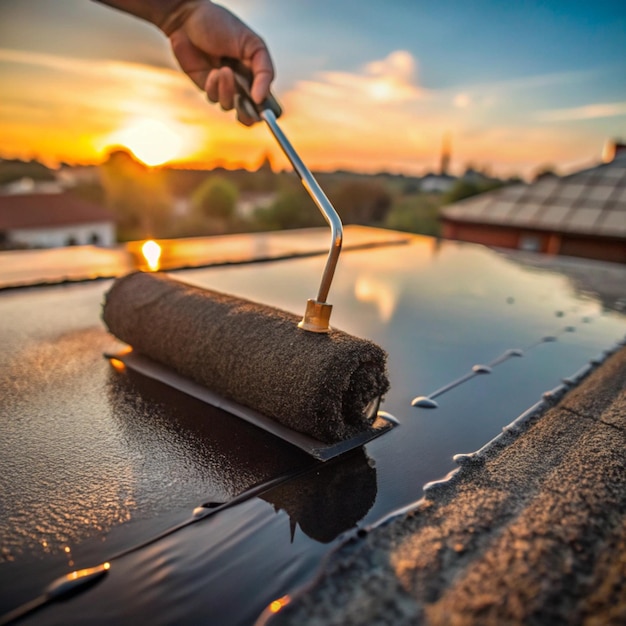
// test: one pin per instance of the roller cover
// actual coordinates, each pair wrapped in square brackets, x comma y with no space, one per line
[318,384]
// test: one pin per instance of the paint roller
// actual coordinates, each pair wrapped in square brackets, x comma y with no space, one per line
[302,375]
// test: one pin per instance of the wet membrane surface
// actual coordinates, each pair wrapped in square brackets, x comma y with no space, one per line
[96,460]
[78,263]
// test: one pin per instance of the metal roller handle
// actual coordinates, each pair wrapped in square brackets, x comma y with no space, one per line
[317,314]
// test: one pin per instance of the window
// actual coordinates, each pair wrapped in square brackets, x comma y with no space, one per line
[530,243]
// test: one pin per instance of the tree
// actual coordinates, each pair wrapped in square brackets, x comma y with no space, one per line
[92,192]
[14,169]
[544,171]
[460,190]
[361,201]
[137,195]
[465,189]
[417,213]
[292,209]
[215,198]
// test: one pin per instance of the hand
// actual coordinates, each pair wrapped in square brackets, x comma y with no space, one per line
[201,33]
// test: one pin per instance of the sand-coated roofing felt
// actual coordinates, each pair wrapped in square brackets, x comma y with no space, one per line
[530,531]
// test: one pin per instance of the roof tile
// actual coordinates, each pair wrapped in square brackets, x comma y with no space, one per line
[591,202]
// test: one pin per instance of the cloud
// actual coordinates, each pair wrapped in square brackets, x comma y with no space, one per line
[84,90]
[62,104]
[487,95]
[536,81]
[390,80]
[587,112]
[462,100]
[36,58]
[376,118]
[399,63]
[96,69]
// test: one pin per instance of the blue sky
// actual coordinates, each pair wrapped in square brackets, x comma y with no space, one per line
[516,85]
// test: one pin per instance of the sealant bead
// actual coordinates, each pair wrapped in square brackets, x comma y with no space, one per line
[424,402]
[201,511]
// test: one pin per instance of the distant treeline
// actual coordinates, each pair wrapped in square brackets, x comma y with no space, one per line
[167,202]
[15,169]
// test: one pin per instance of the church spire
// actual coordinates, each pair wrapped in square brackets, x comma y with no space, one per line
[445,154]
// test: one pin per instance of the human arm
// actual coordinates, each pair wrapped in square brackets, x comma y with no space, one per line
[201,33]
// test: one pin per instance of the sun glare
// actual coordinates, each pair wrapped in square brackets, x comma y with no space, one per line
[151,251]
[152,141]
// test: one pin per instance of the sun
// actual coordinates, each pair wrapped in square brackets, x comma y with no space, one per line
[152,141]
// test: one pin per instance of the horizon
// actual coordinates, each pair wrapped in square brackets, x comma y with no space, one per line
[231,167]
[515,88]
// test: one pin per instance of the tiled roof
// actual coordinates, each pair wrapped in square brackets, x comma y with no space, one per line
[591,202]
[39,210]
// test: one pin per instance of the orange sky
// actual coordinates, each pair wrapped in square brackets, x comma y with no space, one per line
[377,115]
[361,121]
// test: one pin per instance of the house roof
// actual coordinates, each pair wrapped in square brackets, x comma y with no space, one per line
[40,210]
[591,202]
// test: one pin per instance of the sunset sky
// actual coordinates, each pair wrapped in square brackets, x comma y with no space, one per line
[365,85]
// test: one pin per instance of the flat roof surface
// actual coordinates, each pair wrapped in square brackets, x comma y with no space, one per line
[95,462]
[530,530]
[22,268]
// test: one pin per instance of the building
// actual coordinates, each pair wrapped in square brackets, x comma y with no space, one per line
[437,183]
[73,175]
[581,215]
[52,220]
[443,181]
[29,185]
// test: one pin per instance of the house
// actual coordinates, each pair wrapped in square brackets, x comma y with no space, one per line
[73,175]
[581,215]
[475,177]
[25,184]
[52,220]
[437,183]
[249,202]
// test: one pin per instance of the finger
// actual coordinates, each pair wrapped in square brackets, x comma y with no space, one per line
[244,119]
[212,85]
[261,86]
[212,88]
[262,72]
[227,88]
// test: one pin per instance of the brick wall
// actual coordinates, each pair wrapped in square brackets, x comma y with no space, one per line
[603,249]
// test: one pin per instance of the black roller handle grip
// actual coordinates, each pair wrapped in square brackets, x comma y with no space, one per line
[244,101]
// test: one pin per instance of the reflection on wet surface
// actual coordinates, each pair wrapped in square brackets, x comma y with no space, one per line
[97,460]
[182,441]
[70,476]
[79,263]
[330,500]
